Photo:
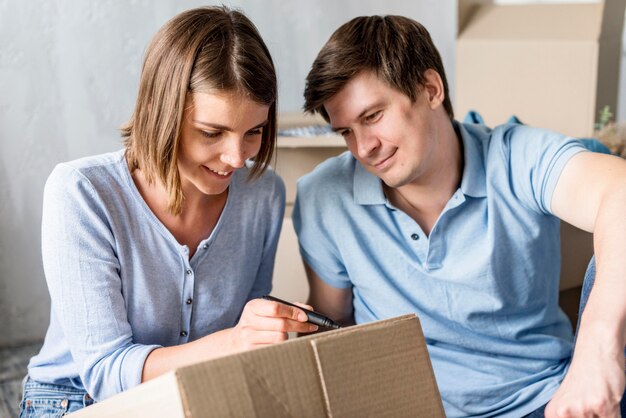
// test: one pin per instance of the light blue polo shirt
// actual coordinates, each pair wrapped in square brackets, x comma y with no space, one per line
[484,283]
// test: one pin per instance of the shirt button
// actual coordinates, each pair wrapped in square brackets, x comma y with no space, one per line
[189,271]
[189,301]
[415,237]
[183,333]
[205,246]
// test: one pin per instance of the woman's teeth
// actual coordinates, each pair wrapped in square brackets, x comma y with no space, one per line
[221,173]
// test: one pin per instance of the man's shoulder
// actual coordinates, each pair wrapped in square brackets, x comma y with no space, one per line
[508,140]
[333,173]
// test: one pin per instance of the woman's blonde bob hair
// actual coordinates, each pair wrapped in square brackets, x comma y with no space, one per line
[202,50]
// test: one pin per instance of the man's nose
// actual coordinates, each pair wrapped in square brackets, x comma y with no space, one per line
[366,143]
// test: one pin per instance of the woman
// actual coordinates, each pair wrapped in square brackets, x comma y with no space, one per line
[155,255]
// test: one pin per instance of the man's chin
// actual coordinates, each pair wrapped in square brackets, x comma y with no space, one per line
[393,183]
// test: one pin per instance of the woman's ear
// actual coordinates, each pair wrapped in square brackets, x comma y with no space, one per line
[433,85]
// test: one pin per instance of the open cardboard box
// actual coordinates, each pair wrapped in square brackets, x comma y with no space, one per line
[380,369]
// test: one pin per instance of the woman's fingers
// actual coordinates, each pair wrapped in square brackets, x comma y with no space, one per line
[267,322]
[267,308]
[304,305]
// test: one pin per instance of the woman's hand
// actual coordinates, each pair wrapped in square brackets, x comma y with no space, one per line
[265,322]
[262,322]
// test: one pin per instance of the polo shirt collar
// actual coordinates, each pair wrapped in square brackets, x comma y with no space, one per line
[473,180]
[368,189]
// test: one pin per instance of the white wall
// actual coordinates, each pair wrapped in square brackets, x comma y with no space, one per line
[68,79]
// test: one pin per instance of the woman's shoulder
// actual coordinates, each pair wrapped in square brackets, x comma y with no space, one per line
[95,163]
[99,171]
[268,181]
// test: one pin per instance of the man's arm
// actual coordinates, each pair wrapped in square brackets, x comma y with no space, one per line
[333,302]
[591,194]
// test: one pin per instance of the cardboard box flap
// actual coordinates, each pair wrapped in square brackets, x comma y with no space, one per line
[536,22]
[159,398]
[276,381]
[361,376]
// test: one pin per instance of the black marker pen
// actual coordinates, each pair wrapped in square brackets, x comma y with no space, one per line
[313,317]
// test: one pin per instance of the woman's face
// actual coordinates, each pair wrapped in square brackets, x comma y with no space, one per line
[219,133]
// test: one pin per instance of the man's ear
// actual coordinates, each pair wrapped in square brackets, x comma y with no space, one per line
[433,85]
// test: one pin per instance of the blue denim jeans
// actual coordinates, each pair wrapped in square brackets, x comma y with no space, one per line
[43,400]
[590,277]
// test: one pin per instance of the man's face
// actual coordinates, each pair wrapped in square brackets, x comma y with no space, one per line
[392,137]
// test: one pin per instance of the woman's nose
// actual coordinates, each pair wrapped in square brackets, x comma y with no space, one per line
[234,153]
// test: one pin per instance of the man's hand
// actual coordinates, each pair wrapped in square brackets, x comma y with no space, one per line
[594,384]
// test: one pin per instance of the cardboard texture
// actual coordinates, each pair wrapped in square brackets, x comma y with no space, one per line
[554,66]
[381,369]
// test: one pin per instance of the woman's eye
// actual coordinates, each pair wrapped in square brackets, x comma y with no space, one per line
[211,134]
[255,132]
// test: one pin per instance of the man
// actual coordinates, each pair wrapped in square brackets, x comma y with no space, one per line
[460,224]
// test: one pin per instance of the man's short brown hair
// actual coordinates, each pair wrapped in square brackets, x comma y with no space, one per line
[397,49]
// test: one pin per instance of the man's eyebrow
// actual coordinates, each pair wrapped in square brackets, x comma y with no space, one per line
[363,113]
[228,128]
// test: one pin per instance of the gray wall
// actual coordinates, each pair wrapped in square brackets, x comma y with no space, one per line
[68,79]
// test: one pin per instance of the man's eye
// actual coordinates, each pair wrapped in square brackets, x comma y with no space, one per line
[345,132]
[211,134]
[373,117]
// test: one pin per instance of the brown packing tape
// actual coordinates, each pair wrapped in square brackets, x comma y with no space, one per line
[382,371]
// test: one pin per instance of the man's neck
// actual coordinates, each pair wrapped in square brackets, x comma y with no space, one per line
[425,199]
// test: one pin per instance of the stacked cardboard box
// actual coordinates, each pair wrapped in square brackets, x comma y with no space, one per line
[554,66]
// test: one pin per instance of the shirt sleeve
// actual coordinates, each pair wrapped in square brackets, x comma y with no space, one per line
[536,158]
[317,237]
[276,212]
[83,275]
